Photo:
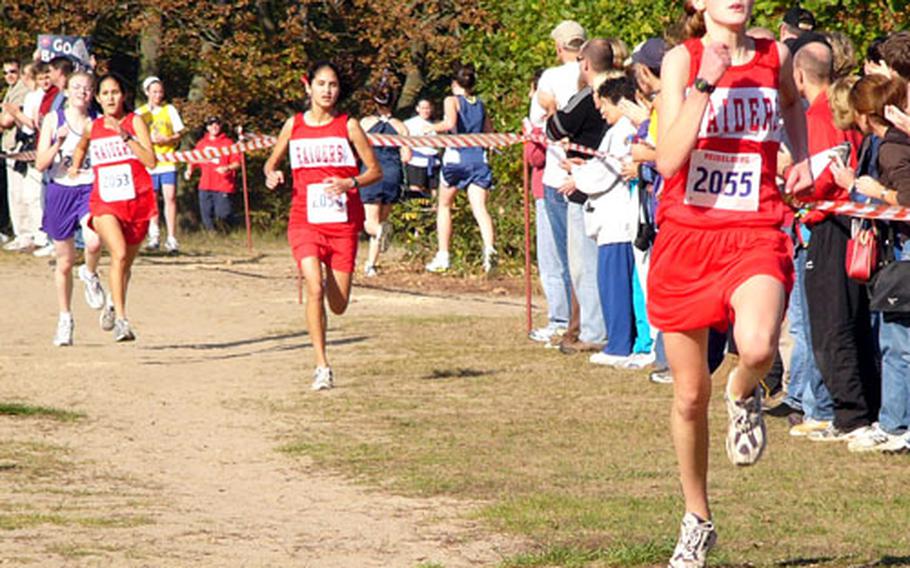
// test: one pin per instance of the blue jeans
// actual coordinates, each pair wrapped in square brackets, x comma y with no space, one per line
[214,205]
[583,270]
[807,390]
[554,273]
[615,272]
[557,215]
[894,337]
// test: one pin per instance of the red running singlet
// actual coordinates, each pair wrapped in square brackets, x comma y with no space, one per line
[729,180]
[122,186]
[721,213]
[320,226]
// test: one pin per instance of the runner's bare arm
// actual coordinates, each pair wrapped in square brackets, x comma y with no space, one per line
[273,176]
[799,178]
[80,151]
[680,115]
[46,151]
[450,116]
[372,172]
[141,144]
[401,129]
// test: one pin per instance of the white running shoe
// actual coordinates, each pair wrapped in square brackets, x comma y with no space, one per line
[545,334]
[747,436]
[108,317]
[601,358]
[661,377]
[805,428]
[384,236]
[17,244]
[45,251]
[370,271]
[696,539]
[639,360]
[94,293]
[440,263]
[490,261]
[834,434]
[152,244]
[4,238]
[873,439]
[123,331]
[171,245]
[323,379]
[64,334]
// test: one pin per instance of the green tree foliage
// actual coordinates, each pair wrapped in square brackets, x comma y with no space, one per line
[243,59]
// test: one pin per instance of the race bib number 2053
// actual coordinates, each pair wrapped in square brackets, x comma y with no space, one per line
[718,180]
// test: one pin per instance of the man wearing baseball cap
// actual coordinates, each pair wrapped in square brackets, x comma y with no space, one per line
[797,21]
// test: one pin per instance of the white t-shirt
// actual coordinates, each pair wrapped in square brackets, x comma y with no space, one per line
[30,107]
[562,84]
[420,157]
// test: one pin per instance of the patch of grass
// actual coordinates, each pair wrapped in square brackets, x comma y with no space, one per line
[16,521]
[430,565]
[32,411]
[574,458]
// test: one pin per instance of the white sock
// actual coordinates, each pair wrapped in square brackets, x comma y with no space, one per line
[66,316]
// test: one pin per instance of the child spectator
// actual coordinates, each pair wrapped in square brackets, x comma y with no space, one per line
[218,176]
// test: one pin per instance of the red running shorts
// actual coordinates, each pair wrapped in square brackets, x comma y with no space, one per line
[694,273]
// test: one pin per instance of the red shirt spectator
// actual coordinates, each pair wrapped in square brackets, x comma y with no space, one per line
[218,173]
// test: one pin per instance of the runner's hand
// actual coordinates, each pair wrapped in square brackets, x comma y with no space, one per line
[799,179]
[274,178]
[337,186]
[714,62]
[62,133]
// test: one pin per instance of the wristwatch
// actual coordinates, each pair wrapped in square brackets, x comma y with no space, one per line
[703,86]
[356,183]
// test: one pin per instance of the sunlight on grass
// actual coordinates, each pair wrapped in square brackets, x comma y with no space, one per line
[20,409]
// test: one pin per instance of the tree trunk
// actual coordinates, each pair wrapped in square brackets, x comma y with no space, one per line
[149,44]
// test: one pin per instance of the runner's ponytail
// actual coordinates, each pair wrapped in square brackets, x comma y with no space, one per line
[694,24]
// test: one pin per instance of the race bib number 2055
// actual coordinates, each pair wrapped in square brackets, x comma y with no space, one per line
[718,180]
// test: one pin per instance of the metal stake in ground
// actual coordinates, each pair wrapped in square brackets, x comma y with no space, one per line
[246,192]
[527,208]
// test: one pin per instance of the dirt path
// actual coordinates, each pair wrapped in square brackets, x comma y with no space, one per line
[176,462]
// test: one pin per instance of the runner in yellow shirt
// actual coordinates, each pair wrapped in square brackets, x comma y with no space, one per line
[166,128]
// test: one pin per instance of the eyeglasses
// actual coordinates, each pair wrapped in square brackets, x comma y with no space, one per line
[580,58]
[10,71]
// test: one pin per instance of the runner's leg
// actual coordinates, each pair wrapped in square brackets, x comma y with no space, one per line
[63,273]
[477,196]
[444,217]
[687,355]
[315,307]
[169,192]
[759,305]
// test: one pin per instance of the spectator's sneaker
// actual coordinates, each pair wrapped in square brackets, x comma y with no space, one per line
[661,377]
[834,434]
[746,433]
[64,334]
[171,245]
[323,379]
[108,317]
[873,439]
[370,271]
[639,360]
[45,251]
[123,331]
[900,446]
[808,426]
[602,358]
[18,244]
[4,238]
[696,539]
[440,263]
[545,334]
[490,261]
[384,236]
[94,293]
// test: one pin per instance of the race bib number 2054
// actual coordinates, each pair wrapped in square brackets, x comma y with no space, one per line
[718,180]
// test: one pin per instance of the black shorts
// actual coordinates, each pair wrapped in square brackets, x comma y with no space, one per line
[420,177]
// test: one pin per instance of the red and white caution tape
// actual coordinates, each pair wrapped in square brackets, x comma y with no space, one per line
[862,211]
[196,156]
[28,156]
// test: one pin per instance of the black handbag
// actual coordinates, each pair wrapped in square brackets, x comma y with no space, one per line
[646,230]
[889,289]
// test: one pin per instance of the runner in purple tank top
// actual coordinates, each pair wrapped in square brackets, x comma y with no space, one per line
[66,202]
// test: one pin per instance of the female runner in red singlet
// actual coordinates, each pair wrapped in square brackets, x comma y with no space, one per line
[326,212]
[720,253]
[122,202]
